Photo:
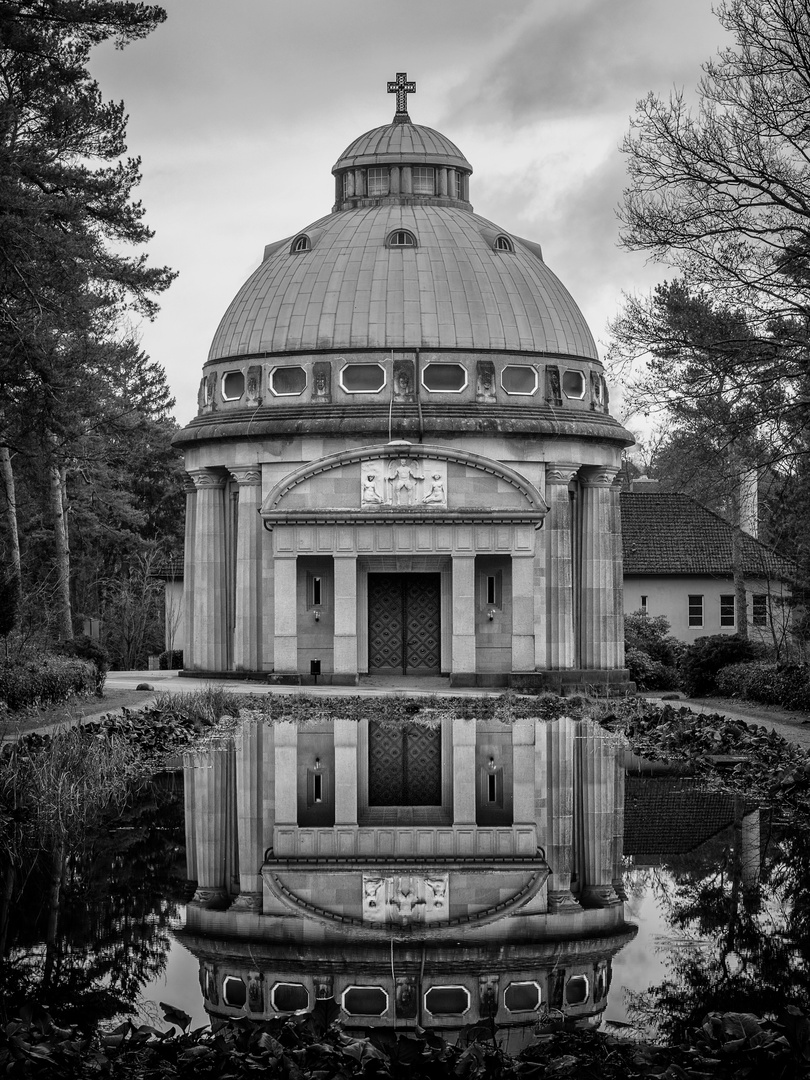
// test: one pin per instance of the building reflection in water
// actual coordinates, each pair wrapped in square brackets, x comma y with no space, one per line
[435,873]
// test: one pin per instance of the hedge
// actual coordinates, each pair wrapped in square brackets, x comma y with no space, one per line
[706,656]
[768,684]
[45,679]
[649,674]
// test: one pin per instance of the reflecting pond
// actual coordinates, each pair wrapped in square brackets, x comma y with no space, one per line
[566,893]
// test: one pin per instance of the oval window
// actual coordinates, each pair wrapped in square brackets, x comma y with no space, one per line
[573,384]
[444,378]
[362,378]
[447,1000]
[522,996]
[234,992]
[233,385]
[519,379]
[365,1001]
[576,990]
[285,381]
[290,997]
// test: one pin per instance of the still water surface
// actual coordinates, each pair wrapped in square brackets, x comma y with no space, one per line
[717,895]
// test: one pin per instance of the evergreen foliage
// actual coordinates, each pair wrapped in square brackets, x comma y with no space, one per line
[704,658]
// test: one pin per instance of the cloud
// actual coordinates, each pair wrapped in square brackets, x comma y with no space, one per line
[588,54]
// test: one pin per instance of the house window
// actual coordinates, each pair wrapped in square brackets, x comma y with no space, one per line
[423,180]
[727,610]
[347,184]
[644,605]
[695,610]
[759,609]
[377,182]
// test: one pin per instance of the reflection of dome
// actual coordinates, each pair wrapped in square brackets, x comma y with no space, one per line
[453,289]
[401,143]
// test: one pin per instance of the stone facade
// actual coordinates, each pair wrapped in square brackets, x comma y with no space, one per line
[403,460]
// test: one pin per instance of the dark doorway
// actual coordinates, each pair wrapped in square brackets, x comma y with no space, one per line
[403,624]
[404,765]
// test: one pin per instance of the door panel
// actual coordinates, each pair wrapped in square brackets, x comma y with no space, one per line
[404,624]
[404,765]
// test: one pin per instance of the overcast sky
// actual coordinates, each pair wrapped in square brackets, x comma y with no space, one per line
[239,109]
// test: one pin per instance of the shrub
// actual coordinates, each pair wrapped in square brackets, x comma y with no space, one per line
[649,674]
[86,649]
[45,679]
[705,657]
[768,684]
[170,660]
[650,634]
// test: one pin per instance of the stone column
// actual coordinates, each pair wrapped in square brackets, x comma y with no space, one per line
[247,621]
[464,778]
[406,180]
[554,806]
[249,755]
[345,656]
[188,572]
[348,188]
[210,614]
[523,613]
[523,775]
[618,824]
[394,180]
[359,182]
[596,751]
[285,614]
[559,566]
[443,180]
[601,609]
[286,771]
[345,772]
[463,648]
[209,774]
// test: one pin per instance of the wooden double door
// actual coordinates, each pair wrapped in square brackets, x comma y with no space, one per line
[404,630]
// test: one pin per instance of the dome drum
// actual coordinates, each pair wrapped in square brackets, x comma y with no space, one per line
[358,186]
[403,377]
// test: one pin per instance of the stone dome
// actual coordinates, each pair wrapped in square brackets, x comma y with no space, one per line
[402,143]
[461,283]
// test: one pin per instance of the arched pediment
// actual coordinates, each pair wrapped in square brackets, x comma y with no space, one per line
[405,479]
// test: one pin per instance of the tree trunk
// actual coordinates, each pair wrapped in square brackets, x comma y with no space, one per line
[54,903]
[64,615]
[11,511]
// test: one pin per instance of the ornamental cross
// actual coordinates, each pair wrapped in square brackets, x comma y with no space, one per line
[401,87]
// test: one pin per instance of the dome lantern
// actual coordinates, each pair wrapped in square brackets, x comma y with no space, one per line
[402,163]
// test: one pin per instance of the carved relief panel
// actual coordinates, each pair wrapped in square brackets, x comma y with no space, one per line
[404,900]
[401,482]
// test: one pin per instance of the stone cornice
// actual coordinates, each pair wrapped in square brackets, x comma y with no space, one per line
[537,505]
[402,516]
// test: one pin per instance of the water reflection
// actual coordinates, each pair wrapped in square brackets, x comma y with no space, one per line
[493,894]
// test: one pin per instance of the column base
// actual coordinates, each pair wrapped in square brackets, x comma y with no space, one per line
[211,898]
[599,896]
[562,903]
[247,901]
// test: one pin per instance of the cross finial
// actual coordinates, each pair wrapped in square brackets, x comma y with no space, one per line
[401,87]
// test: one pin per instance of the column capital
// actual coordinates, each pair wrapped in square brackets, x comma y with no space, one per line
[247,476]
[599,475]
[207,478]
[560,472]
[189,487]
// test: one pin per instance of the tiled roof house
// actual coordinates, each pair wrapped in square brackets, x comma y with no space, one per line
[679,562]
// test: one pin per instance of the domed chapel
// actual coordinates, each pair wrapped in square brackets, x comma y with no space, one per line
[403,460]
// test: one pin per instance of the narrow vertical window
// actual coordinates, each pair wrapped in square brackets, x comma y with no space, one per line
[727,610]
[491,589]
[317,788]
[759,609]
[644,605]
[695,610]
[316,592]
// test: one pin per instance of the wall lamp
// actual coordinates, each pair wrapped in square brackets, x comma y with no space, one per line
[317,616]
[491,614]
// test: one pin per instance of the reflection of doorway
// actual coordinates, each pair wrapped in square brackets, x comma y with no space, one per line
[404,624]
[404,765]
